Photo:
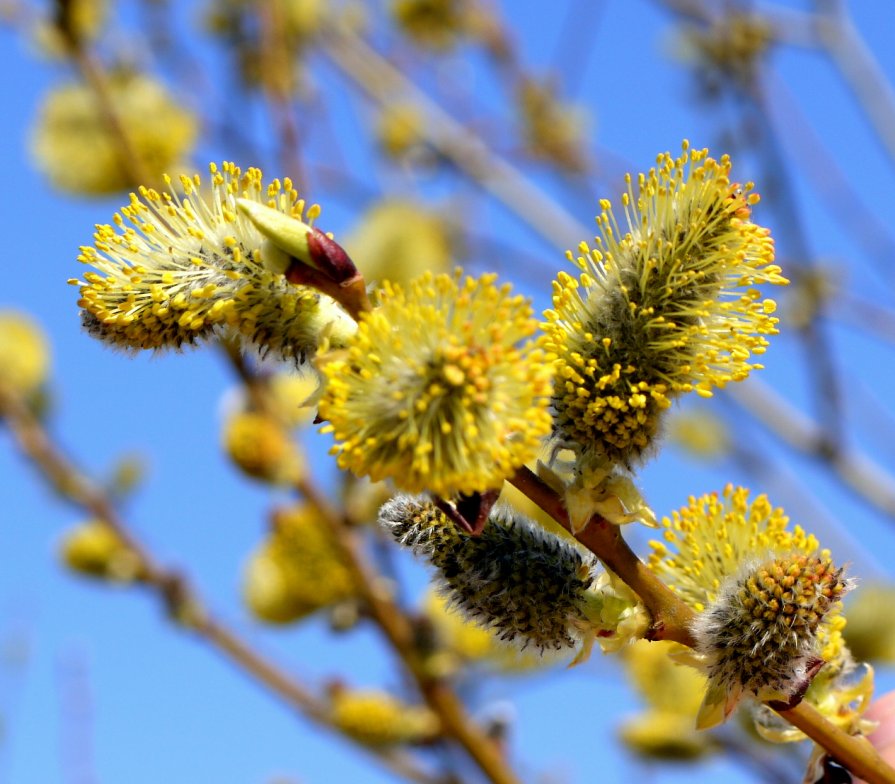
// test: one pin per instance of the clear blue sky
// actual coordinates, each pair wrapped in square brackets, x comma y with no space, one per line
[164,708]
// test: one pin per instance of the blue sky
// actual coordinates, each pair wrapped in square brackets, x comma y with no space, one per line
[162,707]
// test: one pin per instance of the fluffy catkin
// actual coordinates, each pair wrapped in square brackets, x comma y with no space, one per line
[522,582]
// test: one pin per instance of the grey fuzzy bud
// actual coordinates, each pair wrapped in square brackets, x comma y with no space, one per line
[514,578]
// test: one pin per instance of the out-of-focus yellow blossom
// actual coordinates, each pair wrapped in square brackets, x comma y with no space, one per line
[262,448]
[85,21]
[732,47]
[377,718]
[727,557]
[176,269]
[24,353]
[552,131]
[297,571]
[363,498]
[436,24]
[300,19]
[808,296]
[435,391]
[475,644]
[400,129]
[700,433]
[267,588]
[94,549]
[74,147]
[666,735]
[663,683]
[399,241]
[665,304]
[292,395]
[304,18]
[870,633]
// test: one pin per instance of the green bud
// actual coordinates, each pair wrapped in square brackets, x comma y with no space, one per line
[287,234]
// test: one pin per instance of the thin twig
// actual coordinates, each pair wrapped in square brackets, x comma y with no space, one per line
[95,76]
[862,74]
[386,84]
[855,752]
[854,469]
[171,587]
[863,314]
[277,83]
[820,363]
[396,627]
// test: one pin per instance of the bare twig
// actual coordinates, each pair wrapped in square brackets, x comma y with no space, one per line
[396,627]
[862,74]
[385,84]
[277,84]
[855,752]
[853,468]
[181,600]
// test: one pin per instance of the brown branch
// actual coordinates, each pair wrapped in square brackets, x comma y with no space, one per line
[671,619]
[671,616]
[397,628]
[394,624]
[181,600]
[97,79]
[277,76]
[854,752]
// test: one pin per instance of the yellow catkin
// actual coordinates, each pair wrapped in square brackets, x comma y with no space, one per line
[179,266]
[723,554]
[664,304]
[94,549]
[24,353]
[261,447]
[399,241]
[440,389]
[435,24]
[376,718]
[74,147]
[297,570]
